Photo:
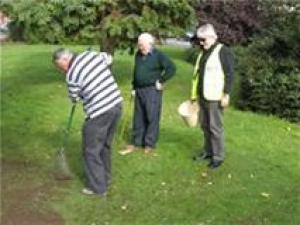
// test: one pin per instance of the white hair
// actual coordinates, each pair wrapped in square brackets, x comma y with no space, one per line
[61,52]
[207,30]
[147,38]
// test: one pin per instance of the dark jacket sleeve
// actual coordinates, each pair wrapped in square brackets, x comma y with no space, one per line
[227,62]
[168,67]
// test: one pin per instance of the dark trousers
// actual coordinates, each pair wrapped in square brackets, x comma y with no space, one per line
[97,140]
[211,119]
[147,110]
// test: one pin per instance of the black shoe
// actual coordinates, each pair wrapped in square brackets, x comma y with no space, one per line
[201,157]
[215,164]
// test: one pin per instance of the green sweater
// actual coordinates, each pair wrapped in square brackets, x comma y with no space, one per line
[152,67]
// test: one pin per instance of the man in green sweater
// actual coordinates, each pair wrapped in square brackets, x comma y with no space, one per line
[152,69]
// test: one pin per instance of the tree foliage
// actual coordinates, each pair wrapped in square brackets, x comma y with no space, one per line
[111,23]
[236,21]
[270,70]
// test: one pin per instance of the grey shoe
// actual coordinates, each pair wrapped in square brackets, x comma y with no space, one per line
[129,149]
[90,192]
[87,191]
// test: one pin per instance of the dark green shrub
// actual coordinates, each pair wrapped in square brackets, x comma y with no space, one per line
[270,71]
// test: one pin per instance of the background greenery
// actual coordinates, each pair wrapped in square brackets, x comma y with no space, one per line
[269,70]
[264,35]
[111,24]
[258,183]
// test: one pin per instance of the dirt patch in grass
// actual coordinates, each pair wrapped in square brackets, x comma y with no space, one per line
[25,190]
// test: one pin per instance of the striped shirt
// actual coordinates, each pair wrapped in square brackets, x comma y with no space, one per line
[89,78]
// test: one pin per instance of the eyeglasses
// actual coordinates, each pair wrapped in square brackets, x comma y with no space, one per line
[201,39]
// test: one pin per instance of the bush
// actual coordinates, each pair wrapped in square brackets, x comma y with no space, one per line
[270,71]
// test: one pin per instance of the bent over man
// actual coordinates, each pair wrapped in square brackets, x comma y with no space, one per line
[89,78]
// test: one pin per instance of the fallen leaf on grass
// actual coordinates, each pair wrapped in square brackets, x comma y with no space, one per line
[266,195]
[124,207]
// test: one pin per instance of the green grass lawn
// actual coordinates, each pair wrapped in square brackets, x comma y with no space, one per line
[259,183]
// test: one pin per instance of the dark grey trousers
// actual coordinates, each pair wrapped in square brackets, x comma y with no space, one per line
[211,119]
[147,110]
[97,134]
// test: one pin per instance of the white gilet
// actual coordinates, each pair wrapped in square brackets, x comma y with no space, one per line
[213,80]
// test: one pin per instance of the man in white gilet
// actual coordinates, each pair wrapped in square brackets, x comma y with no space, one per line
[211,87]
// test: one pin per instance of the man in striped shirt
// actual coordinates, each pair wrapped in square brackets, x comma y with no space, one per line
[89,79]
